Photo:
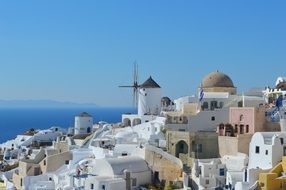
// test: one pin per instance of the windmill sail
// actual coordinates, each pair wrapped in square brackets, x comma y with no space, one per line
[135,85]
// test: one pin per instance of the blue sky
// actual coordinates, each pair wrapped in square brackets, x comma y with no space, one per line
[81,51]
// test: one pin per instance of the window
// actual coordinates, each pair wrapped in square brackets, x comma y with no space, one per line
[241,129]
[221,104]
[91,186]
[37,171]
[257,149]
[281,141]
[199,148]
[67,162]
[236,129]
[50,179]
[21,182]
[45,162]
[247,128]
[266,152]
[134,181]
[124,154]
[103,187]
[241,117]
[205,105]
[221,171]
[213,105]
[207,181]
[213,118]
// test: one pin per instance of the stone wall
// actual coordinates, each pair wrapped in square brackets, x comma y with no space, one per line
[54,162]
[233,145]
[169,168]
[208,142]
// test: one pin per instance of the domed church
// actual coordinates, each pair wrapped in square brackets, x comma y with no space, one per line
[218,82]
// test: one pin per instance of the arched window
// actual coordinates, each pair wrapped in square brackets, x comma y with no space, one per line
[241,117]
[213,105]
[221,104]
[205,105]
[181,148]
[127,122]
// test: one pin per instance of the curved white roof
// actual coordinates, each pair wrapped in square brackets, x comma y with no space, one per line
[268,136]
[130,163]
[125,134]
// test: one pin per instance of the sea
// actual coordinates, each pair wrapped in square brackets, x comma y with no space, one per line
[14,121]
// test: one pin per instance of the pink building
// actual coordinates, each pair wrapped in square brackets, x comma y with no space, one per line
[243,120]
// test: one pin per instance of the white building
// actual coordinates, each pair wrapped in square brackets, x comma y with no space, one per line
[271,94]
[266,150]
[83,123]
[118,173]
[48,135]
[208,174]
[235,166]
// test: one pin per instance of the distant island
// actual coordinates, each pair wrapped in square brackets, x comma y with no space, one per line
[42,104]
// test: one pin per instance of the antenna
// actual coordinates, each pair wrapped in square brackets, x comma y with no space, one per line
[135,85]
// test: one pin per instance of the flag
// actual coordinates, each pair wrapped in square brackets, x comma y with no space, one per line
[279,101]
[201,95]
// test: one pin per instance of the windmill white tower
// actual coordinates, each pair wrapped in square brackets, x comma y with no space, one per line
[149,96]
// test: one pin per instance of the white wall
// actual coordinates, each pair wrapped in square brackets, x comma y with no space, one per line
[210,171]
[149,101]
[203,120]
[109,184]
[81,124]
[270,144]
[180,102]
[35,182]
[142,178]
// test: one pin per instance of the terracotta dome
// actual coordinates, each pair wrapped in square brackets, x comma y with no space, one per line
[217,79]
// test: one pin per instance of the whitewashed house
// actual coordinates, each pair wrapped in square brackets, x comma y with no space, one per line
[266,149]
[235,166]
[118,173]
[208,174]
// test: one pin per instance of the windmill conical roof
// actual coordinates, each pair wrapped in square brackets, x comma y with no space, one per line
[150,83]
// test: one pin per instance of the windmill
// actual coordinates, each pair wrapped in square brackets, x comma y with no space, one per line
[135,84]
